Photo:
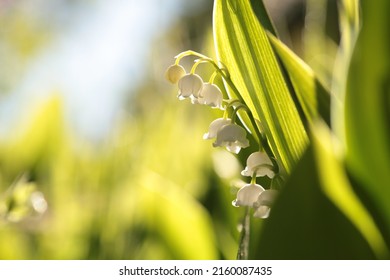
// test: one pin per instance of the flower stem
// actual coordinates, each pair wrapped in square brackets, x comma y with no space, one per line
[194,67]
[188,53]
[234,114]
[243,248]
[253,180]
[211,81]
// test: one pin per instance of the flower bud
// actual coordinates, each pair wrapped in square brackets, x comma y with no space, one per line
[174,73]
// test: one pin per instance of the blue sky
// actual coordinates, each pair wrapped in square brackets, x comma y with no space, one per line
[99,50]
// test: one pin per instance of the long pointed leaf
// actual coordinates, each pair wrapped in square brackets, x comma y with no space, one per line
[243,46]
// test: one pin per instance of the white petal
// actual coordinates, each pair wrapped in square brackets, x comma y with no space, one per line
[233,147]
[267,198]
[262,212]
[264,203]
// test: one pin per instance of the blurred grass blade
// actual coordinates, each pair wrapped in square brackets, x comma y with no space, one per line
[313,97]
[175,215]
[350,22]
[339,189]
[37,138]
[367,107]
[243,46]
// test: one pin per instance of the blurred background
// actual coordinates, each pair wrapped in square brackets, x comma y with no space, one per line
[98,158]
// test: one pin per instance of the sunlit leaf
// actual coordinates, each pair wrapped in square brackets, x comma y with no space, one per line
[262,16]
[242,45]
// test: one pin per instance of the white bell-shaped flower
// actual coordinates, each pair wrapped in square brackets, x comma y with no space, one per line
[248,195]
[215,126]
[211,95]
[260,164]
[233,137]
[174,73]
[264,203]
[190,86]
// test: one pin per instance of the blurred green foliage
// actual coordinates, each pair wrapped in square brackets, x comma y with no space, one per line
[137,196]
[147,191]
[153,189]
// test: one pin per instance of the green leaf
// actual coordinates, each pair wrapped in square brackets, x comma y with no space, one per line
[312,96]
[367,108]
[243,47]
[318,216]
[262,16]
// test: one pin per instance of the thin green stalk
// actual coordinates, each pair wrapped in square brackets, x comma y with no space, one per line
[243,248]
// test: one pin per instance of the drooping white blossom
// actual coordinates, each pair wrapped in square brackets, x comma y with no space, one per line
[233,137]
[264,203]
[190,86]
[248,195]
[211,95]
[258,164]
[215,126]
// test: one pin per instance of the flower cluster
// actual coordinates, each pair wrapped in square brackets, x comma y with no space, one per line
[226,132]
[254,195]
[192,86]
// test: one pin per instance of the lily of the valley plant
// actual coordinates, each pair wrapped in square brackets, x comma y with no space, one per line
[227,132]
